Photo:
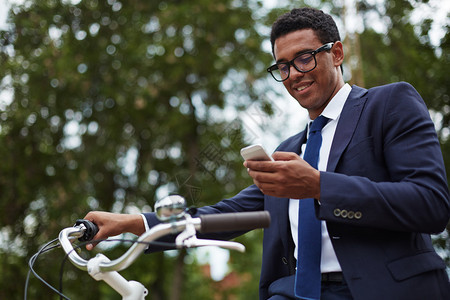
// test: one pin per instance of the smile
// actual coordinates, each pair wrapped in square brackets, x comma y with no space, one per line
[303,87]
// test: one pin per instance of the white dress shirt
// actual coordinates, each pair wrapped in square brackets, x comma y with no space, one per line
[332,111]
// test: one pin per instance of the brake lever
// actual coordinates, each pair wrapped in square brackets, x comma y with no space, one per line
[222,244]
[188,239]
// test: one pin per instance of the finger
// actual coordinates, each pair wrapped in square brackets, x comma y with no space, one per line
[92,245]
[267,189]
[89,215]
[261,166]
[279,155]
[262,177]
[98,237]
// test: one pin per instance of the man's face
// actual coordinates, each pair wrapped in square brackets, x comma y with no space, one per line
[312,90]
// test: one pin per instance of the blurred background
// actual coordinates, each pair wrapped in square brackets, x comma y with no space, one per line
[110,105]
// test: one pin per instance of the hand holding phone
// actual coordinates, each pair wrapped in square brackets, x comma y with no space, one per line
[255,152]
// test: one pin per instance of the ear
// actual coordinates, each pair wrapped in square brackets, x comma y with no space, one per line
[338,53]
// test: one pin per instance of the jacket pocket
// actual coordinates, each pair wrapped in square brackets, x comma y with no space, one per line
[410,266]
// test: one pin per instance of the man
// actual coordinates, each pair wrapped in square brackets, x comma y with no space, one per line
[379,188]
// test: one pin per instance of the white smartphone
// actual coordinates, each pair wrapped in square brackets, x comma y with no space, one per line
[255,152]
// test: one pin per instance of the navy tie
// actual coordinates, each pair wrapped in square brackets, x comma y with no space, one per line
[308,277]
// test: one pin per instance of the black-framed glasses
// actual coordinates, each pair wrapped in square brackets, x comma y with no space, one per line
[304,63]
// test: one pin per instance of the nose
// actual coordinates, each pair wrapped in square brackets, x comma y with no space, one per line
[294,73]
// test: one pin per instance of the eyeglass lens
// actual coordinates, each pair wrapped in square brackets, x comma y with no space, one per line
[303,63]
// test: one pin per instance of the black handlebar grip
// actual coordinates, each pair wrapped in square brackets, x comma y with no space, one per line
[91,230]
[234,221]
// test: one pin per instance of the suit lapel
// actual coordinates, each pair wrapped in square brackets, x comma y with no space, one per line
[346,126]
[296,144]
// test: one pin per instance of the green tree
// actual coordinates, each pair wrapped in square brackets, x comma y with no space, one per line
[113,105]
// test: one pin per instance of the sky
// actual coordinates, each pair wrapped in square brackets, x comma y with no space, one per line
[3,13]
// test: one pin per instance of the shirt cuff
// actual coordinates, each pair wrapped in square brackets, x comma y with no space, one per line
[147,228]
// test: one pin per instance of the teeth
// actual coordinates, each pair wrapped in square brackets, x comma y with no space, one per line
[303,87]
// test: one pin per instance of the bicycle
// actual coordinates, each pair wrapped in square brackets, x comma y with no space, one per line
[175,219]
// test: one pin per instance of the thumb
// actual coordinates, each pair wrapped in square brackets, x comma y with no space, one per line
[279,155]
[92,245]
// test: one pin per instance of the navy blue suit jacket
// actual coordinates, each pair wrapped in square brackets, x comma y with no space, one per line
[384,192]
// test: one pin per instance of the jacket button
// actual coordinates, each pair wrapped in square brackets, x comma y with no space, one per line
[358,215]
[344,213]
[351,214]
[284,260]
[337,212]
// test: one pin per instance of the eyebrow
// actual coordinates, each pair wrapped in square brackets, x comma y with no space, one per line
[295,55]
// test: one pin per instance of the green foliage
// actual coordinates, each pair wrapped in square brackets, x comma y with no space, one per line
[115,104]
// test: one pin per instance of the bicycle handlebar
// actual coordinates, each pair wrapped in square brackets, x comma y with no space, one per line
[205,224]
[234,221]
[90,231]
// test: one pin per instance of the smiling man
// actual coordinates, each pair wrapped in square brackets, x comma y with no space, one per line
[312,85]
[354,197]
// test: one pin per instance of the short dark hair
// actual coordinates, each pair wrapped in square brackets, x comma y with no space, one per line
[305,18]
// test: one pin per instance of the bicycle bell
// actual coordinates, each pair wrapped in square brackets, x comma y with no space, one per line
[172,207]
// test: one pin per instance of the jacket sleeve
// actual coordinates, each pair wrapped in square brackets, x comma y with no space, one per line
[391,175]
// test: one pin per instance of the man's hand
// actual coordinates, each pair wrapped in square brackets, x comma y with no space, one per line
[110,224]
[288,176]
